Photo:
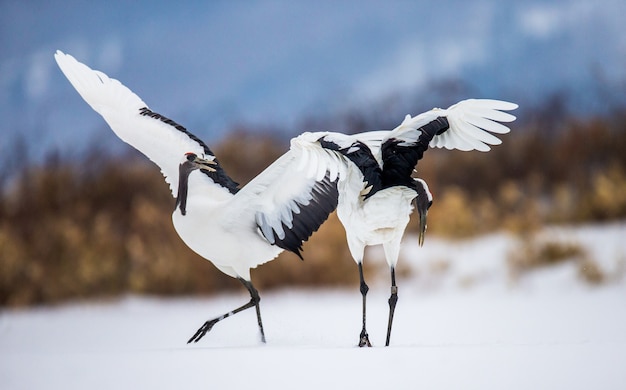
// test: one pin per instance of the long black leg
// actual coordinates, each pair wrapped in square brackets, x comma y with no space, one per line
[254,294]
[392,303]
[254,302]
[364,338]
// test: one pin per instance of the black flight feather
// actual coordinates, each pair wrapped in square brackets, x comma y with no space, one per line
[311,216]
[400,159]
[219,176]
[362,157]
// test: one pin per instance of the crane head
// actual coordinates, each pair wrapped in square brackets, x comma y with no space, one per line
[193,161]
[422,202]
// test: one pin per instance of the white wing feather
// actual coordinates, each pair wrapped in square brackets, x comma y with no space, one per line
[119,106]
[276,195]
[471,123]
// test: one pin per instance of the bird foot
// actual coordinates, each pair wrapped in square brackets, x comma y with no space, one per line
[204,329]
[364,341]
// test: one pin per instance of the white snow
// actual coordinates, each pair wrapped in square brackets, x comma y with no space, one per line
[461,325]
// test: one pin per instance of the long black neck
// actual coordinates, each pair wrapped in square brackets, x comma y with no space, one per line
[184,170]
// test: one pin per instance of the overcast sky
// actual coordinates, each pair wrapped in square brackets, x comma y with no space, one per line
[211,64]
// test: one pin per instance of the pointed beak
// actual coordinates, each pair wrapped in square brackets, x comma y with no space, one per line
[202,163]
[422,206]
[422,226]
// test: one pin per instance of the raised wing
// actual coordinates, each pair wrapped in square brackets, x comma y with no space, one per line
[162,140]
[292,197]
[471,123]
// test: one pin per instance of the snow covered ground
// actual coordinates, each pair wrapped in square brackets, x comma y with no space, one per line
[460,324]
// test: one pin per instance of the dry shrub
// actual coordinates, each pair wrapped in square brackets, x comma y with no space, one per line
[519,208]
[452,214]
[456,214]
[590,272]
[535,253]
[67,230]
[607,196]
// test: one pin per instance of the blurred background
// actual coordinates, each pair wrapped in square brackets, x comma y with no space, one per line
[82,215]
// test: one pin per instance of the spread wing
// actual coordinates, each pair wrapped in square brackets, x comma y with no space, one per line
[160,139]
[471,123]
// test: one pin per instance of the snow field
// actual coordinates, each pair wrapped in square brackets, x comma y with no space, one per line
[549,330]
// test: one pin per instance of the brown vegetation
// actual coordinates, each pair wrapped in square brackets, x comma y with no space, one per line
[101,226]
[535,253]
[573,174]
